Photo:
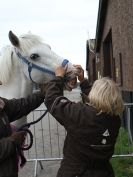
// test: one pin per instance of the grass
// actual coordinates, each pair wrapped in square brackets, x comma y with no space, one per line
[123,166]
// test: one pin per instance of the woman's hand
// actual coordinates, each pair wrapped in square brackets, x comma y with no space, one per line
[80,73]
[19,137]
[60,71]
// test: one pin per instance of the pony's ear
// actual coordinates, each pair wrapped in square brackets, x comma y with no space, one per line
[14,39]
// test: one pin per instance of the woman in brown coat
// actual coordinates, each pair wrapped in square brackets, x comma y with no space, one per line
[92,128]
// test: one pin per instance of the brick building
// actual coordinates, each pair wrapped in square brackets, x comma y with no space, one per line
[113,52]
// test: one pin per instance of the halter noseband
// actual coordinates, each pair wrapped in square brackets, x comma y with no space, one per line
[32,65]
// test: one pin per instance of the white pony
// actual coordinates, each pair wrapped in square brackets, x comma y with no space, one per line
[29,60]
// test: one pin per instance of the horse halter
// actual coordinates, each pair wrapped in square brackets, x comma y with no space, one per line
[26,126]
[37,67]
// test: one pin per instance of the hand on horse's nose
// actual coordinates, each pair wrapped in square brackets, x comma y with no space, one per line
[60,71]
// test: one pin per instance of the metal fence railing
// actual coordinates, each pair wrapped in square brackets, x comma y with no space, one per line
[125,139]
[48,135]
[49,138]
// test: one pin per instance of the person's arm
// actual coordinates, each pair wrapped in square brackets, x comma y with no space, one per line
[84,83]
[85,87]
[16,108]
[64,111]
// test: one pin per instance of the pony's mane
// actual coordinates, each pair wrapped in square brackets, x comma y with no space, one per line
[6,64]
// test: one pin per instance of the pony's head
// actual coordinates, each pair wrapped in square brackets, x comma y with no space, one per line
[38,61]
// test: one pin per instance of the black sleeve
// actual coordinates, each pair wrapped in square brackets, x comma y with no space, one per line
[85,87]
[16,108]
[64,111]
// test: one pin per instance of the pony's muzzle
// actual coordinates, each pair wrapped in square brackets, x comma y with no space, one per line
[71,84]
[70,79]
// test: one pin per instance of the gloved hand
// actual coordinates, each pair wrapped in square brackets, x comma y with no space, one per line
[19,137]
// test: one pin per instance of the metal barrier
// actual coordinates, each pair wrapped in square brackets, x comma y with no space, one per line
[125,138]
[49,138]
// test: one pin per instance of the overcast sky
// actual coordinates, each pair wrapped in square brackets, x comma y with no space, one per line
[64,24]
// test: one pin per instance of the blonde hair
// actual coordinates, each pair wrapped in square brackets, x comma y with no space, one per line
[105,96]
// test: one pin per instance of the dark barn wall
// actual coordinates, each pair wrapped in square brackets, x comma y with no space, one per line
[90,60]
[92,67]
[117,39]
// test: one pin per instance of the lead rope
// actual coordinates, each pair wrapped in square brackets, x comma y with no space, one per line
[26,126]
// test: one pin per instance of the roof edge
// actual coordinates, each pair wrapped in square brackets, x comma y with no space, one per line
[100,21]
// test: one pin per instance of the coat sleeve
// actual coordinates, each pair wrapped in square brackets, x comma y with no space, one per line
[16,108]
[85,87]
[64,111]
[7,148]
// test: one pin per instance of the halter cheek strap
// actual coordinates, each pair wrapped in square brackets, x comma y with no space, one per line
[32,65]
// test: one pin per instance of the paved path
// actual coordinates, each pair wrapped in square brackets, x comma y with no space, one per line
[49,169]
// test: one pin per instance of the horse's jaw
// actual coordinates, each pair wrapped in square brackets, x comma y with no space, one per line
[18,86]
[71,84]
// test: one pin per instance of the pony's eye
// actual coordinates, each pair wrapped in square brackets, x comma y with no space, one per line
[34,56]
